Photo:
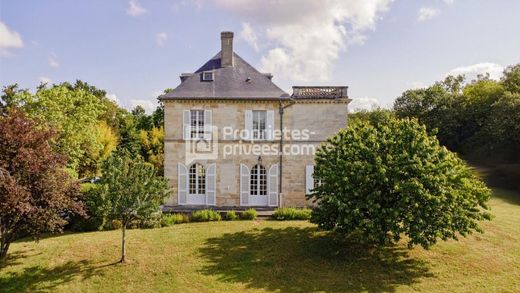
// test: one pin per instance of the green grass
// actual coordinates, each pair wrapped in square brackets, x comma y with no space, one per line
[262,256]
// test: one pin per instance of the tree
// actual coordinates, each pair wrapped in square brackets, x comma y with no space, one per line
[152,147]
[35,191]
[511,78]
[131,190]
[383,177]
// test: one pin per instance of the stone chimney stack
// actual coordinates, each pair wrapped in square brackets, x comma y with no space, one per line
[226,57]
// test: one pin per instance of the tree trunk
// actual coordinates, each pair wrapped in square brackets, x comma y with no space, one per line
[4,247]
[123,247]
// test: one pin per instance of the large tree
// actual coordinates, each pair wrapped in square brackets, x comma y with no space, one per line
[130,190]
[35,190]
[382,178]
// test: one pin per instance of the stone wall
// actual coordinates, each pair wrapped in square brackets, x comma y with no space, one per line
[321,118]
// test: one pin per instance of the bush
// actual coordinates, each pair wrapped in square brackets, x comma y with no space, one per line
[249,214]
[205,216]
[173,219]
[386,178]
[153,221]
[284,214]
[115,225]
[231,216]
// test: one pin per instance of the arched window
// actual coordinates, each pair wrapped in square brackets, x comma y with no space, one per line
[258,180]
[197,179]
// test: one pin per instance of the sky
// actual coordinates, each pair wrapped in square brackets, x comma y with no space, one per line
[134,49]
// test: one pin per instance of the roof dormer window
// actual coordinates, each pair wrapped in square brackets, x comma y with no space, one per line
[207,76]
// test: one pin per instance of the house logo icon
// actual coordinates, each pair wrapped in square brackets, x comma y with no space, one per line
[202,148]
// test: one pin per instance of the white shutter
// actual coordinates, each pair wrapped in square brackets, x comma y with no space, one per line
[182,183]
[270,124]
[272,189]
[207,125]
[309,179]
[211,183]
[248,119]
[244,185]
[186,124]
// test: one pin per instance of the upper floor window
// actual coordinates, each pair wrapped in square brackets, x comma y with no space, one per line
[197,179]
[197,123]
[259,124]
[258,180]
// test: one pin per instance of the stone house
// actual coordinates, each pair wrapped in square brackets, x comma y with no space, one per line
[225,125]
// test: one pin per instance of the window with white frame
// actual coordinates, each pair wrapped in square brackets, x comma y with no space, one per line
[258,180]
[197,123]
[197,179]
[259,123]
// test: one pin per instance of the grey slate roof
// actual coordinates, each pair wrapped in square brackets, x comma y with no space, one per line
[241,81]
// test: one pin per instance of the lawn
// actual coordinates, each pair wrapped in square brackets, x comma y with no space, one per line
[264,256]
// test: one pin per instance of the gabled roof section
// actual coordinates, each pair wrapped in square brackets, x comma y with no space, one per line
[240,81]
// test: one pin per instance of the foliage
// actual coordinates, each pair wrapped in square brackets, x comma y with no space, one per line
[231,216]
[35,191]
[479,118]
[172,219]
[205,216]
[152,147]
[382,180]
[249,214]
[105,142]
[131,190]
[284,214]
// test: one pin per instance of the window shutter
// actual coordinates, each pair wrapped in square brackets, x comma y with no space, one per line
[309,179]
[249,124]
[186,124]
[211,183]
[244,185]
[182,183]
[270,124]
[273,186]
[207,125]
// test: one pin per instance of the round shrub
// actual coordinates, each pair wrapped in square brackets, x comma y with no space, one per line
[205,216]
[231,216]
[285,214]
[249,214]
[382,178]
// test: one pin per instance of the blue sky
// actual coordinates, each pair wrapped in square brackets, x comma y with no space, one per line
[136,49]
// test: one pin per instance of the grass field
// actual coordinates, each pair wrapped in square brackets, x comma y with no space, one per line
[266,256]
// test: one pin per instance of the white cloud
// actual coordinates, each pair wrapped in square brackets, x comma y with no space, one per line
[449,2]
[249,35]
[135,9]
[160,38]
[472,71]
[306,37]
[148,105]
[8,39]
[426,13]
[53,61]
[113,98]
[360,104]
[44,79]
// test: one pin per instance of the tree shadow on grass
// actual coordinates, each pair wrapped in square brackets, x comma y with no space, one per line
[306,260]
[38,279]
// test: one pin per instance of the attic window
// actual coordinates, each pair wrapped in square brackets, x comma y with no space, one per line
[207,76]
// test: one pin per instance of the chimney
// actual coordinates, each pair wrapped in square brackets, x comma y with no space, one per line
[226,57]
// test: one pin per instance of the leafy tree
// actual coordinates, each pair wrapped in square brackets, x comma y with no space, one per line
[34,188]
[511,78]
[105,142]
[384,177]
[152,146]
[131,191]
[435,107]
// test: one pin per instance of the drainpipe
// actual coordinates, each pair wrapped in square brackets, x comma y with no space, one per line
[281,109]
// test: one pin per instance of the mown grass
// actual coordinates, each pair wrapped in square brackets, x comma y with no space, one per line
[262,256]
